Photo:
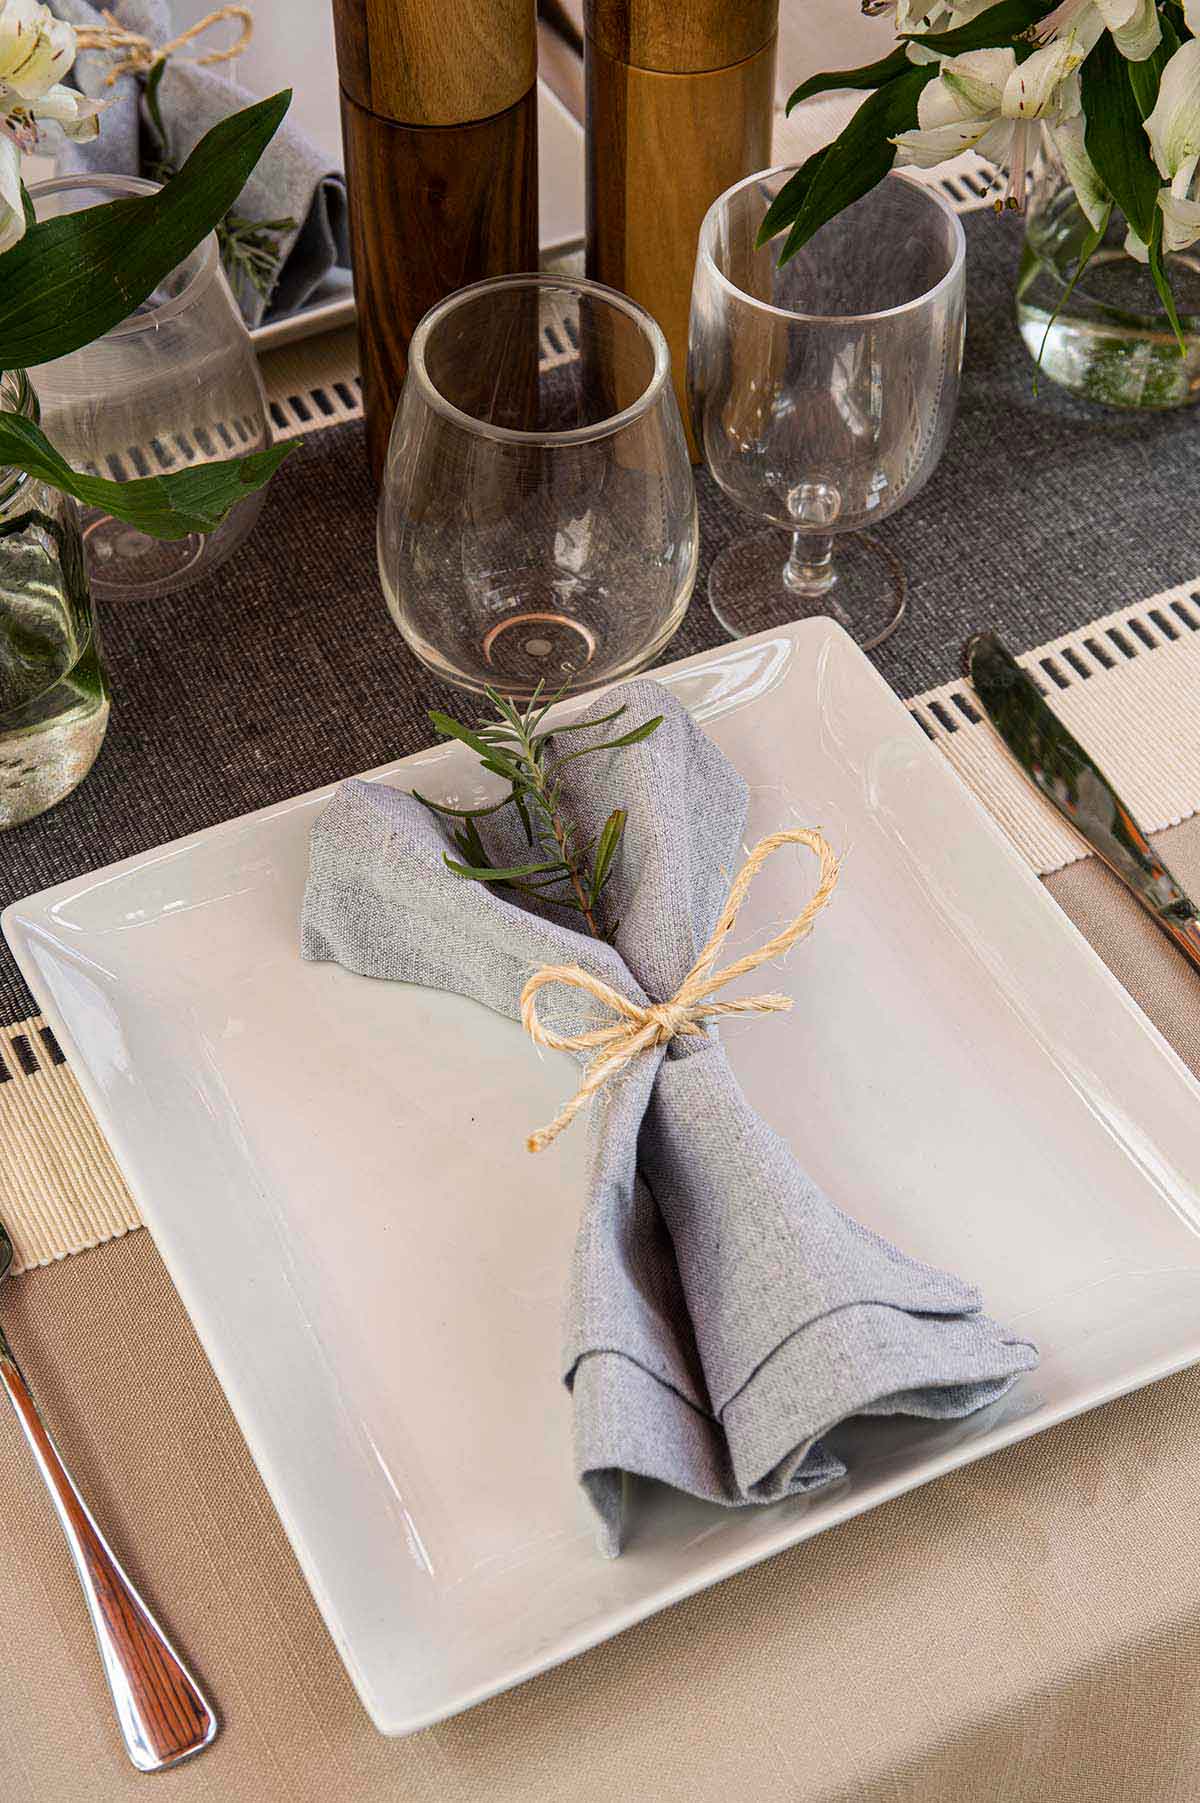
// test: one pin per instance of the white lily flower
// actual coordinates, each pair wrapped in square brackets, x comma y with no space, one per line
[12,213]
[78,116]
[930,15]
[1133,23]
[986,101]
[1173,129]
[1093,197]
[36,49]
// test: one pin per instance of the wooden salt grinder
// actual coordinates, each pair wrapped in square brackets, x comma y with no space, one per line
[680,105]
[439,122]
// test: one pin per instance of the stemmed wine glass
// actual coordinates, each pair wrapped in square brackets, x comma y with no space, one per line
[823,393]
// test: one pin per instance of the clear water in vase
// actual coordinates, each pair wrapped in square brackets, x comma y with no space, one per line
[1108,340]
[53,696]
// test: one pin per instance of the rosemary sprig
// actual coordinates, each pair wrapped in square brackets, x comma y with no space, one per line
[563,868]
[250,250]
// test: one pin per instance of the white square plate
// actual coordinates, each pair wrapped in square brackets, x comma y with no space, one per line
[334,1171]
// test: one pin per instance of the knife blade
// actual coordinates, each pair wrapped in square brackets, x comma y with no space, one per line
[1059,767]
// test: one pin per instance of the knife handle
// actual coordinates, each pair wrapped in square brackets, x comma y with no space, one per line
[1186,934]
[163,1714]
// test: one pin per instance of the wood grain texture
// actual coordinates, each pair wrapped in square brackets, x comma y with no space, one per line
[681,37]
[430,210]
[435,62]
[660,149]
[162,1713]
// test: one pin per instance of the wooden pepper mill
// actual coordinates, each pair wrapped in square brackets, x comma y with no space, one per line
[680,105]
[439,122]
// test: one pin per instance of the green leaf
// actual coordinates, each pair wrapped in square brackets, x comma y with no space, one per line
[1162,281]
[1144,77]
[1114,138]
[583,725]
[167,506]
[606,850]
[523,813]
[485,874]
[71,279]
[1087,250]
[153,109]
[789,203]
[871,75]
[492,758]
[854,163]
[998,27]
[471,845]
[632,737]
[438,807]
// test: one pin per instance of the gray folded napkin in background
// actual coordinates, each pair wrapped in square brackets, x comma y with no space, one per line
[723,1313]
[293,179]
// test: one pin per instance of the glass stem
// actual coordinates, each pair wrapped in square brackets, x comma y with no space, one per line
[809,570]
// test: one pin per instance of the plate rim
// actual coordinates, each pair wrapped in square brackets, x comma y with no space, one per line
[778,1536]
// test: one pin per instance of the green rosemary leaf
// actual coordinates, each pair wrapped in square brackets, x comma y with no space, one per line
[507,711]
[439,807]
[470,846]
[606,850]
[523,812]
[584,725]
[452,729]
[632,737]
[483,873]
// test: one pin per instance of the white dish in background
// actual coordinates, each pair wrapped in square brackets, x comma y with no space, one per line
[334,1171]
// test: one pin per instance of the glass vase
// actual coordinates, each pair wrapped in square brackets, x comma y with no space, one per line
[1109,339]
[53,695]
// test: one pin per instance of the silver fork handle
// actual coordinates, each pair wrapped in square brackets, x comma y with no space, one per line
[163,1714]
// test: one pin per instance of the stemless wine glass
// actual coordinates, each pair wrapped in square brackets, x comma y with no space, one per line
[538,517]
[175,384]
[823,393]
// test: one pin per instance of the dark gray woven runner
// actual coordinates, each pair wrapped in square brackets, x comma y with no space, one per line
[283,670]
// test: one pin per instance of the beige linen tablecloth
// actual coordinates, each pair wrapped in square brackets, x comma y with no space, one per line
[1027,1628]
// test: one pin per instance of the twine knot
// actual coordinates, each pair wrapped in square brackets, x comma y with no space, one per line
[140,54]
[637,1028]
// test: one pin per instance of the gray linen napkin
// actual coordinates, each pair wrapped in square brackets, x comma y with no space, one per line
[723,1313]
[293,179]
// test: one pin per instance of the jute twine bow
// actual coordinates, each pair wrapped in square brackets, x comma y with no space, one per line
[141,55]
[636,1029]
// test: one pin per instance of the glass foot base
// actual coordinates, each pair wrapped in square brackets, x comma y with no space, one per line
[535,647]
[867,594]
[124,563]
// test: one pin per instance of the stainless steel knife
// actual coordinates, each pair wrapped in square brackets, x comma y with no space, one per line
[1057,764]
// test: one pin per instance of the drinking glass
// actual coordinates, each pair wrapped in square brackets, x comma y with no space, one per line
[823,393]
[538,516]
[175,384]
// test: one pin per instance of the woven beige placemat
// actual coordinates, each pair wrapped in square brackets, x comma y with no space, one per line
[59,1183]
[1126,685]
